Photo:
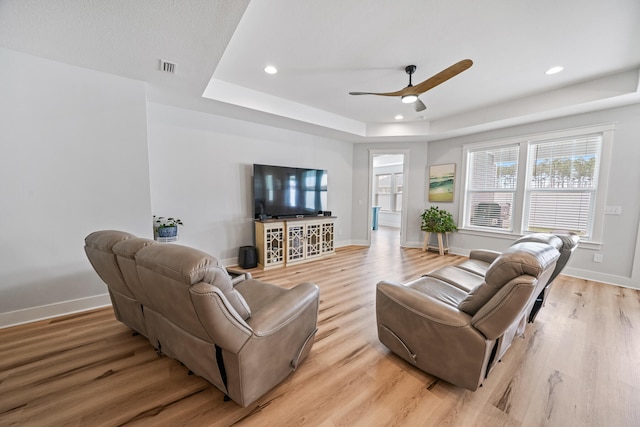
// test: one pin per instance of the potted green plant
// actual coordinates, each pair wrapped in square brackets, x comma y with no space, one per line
[166,229]
[436,220]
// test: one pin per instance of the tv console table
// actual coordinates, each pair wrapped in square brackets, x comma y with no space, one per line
[282,242]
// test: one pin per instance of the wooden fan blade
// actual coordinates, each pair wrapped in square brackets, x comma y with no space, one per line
[439,78]
[430,83]
[396,93]
[419,105]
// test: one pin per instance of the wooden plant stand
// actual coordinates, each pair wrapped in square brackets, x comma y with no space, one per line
[442,248]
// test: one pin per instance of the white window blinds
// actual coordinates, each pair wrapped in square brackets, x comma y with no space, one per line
[491,187]
[561,185]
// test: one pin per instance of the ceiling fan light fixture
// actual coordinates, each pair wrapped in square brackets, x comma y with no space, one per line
[409,99]
[410,94]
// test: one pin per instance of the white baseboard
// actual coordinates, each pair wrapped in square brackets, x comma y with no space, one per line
[18,317]
[595,276]
[344,243]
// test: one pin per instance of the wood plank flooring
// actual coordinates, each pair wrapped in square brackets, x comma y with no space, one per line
[578,365]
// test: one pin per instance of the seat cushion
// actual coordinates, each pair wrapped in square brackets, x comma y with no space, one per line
[474,266]
[258,294]
[438,290]
[458,277]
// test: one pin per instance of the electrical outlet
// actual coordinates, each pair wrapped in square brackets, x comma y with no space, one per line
[597,257]
[613,210]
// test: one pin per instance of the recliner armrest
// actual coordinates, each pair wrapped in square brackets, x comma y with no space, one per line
[238,276]
[218,317]
[281,311]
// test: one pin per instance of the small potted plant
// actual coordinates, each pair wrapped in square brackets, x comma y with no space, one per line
[165,229]
[436,220]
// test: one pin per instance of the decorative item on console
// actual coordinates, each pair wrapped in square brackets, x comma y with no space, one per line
[166,229]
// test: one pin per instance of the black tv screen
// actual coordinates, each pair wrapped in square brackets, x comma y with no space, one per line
[284,192]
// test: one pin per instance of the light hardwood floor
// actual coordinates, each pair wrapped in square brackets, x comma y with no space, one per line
[578,365]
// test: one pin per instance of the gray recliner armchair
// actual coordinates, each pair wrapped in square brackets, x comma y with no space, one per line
[455,333]
[242,335]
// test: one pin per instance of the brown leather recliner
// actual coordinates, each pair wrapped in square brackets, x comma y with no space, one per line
[470,273]
[454,333]
[480,260]
[243,336]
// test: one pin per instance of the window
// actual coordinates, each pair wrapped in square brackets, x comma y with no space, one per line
[562,181]
[539,183]
[388,193]
[492,187]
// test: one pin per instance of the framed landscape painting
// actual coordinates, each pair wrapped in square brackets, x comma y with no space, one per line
[441,182]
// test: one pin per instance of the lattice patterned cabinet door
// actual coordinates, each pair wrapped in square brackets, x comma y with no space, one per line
[295,242]
[274,245]
[314,240]
[328,237]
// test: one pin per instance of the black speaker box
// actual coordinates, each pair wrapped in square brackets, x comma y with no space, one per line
[326,213]
[247,257]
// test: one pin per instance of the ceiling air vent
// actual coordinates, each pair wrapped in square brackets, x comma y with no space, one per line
[168,67]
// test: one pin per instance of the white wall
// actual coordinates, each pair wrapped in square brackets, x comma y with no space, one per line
[74,160]
[413,191]
[620,231]
[201,172]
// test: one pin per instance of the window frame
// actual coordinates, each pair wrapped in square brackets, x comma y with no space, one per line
[468,214]
[393,191]
[605,131]
[593,190]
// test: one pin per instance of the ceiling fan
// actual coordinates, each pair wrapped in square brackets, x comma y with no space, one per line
[410,93]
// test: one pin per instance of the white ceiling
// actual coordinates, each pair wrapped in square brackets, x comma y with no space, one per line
[325,49]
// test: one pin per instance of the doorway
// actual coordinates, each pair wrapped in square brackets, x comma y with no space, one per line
[388,172]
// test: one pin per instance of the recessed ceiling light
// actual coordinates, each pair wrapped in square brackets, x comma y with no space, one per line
[399,117]
[554,70]
[270,69]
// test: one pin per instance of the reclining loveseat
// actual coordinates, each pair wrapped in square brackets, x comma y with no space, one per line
[455,323]
[242,335]
[480,260]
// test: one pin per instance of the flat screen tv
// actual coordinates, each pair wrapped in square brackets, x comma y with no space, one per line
[286,192]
